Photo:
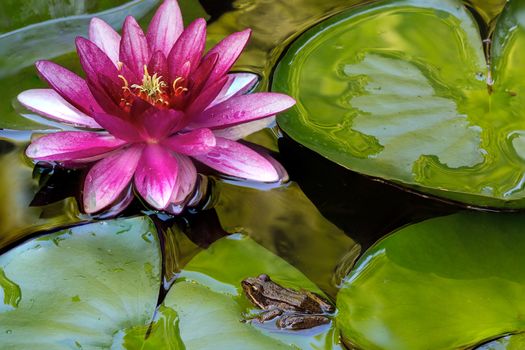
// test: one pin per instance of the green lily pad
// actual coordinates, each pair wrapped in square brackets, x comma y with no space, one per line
[452,282]
[80,287]
[210,304]
[399,90]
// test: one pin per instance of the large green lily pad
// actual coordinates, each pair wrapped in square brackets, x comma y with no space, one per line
[210,304]
[400,90]
[446,283]
[80,288]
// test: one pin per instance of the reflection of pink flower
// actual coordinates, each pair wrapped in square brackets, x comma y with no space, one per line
[160,102]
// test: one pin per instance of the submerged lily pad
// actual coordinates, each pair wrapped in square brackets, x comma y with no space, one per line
[80,287]
[400,90]
[452,282]
[16,14]
[211,306]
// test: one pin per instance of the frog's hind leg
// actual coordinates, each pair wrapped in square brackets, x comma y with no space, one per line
[269,315]
[265,316]
[297,322]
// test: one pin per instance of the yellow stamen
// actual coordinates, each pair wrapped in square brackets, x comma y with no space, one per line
[120,65]
[178,90]
[152,86]
[125,87]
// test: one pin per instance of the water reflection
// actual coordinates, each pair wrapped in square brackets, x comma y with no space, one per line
[275,23]
[17,189]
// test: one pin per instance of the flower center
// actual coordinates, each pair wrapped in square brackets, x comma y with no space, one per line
[152,89]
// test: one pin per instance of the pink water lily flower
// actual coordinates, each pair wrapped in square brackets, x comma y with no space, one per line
[155,102]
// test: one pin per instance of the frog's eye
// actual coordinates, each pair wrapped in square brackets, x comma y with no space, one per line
[264,277]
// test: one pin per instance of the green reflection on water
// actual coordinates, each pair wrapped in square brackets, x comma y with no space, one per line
[17,189]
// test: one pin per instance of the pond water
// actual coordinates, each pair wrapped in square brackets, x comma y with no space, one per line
[319,221]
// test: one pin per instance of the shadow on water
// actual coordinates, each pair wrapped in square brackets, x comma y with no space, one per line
[6,147]
[366,209]
[55,184]
[216,8]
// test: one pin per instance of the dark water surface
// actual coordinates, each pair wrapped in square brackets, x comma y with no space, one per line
[319,221]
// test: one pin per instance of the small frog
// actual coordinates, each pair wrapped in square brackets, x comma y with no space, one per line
[299,309]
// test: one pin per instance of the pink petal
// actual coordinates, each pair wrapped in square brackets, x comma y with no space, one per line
[186,180]
[188,48]
[157,124]
[165,27]
[102,76]
[156,176]
[130,75]
[204,99]
[72,145]
[138,107]
[111,89]
[240,131]
[158,65]
[49,103]
[104,94]
[69,85]
[119,205]
[119,127]
[105,37]
[281,171]
[200,76]
[134,50]
[237,84]
[229,50]
[82,162]
[241,109]
[95,61]
[232,158]
[108,178]
[195,142]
